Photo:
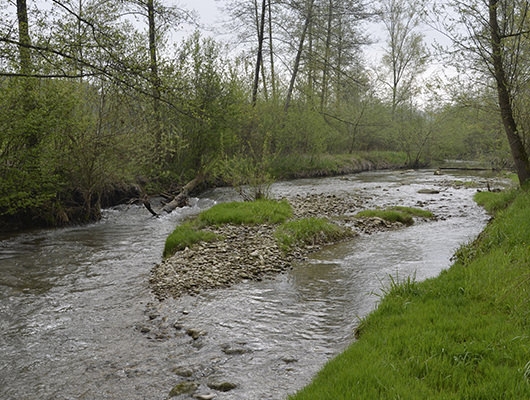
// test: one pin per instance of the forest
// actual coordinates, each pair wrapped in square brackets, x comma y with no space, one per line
[105,101]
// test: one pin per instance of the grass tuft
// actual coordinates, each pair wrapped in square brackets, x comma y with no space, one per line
[184,236]
[254,212]
[400,214]
[309,231]
[495,201]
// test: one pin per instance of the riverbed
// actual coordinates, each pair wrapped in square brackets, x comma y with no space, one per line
[78,320]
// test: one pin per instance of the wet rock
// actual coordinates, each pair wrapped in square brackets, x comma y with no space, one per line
[183,371]
[183,388]
[230,349]
[178,326]
[195,333]
[222,386]
[428,191]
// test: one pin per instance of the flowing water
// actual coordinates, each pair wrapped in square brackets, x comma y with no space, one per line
[78,321]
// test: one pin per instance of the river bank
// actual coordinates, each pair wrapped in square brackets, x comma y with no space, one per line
[463,334]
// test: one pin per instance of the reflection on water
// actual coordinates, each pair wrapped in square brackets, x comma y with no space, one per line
[78,321]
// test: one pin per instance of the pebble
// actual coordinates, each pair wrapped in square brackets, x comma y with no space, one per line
[207,396]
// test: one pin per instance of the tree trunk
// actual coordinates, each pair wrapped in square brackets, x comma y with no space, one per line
[271,54]
[155,77]
[296,66]
[24,38]
[180,200]
[259,58]
[327,55]
[519,154]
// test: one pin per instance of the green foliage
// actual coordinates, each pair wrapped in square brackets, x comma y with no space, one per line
[256,212]
[400,214]
[461,335]
[184,236]
[309,231]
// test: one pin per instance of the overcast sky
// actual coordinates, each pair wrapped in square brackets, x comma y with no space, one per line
[208,10]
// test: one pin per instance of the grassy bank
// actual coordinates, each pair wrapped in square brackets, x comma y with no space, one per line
[462,335]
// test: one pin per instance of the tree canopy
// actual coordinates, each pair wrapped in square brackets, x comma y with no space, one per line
[100,103]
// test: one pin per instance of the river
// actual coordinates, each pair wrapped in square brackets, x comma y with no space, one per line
[78,320]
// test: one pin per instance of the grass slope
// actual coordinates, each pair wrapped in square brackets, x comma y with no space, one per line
[462,335]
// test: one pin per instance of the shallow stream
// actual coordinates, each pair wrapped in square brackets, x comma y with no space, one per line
[78,321]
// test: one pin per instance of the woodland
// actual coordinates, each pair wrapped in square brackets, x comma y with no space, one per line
[106,101]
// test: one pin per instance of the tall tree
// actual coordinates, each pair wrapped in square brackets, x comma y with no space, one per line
[259,57]
[405,54]
[296,66]
[494,39]
[519,154]
[155,76]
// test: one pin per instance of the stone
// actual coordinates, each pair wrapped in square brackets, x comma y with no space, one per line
[428,191]
[183,371]
[229,349]
[206,396]
[183,388]
[195,333]
[222,386]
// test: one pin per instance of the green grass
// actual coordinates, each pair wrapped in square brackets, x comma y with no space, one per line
[184,236]
[309,231]
[495,201]
[248,212]
[400,214]
[462,335]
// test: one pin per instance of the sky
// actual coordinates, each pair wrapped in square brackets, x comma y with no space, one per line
[208,10]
